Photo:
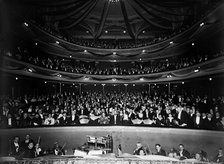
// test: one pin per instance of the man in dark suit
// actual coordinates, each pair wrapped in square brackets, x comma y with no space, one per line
[29,151]
[63,120]
[184,154]
[182,117]
[159,150]
[115,118]
[197,120]
[15,147]
[73,119]
[209,123]
[191,119]
[26,141]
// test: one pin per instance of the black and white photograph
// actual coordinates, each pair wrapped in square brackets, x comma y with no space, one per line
[112,81]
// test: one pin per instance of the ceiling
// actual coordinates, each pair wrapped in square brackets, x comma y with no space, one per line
[92,18]
[113,19]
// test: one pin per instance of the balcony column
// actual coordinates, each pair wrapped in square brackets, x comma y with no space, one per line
[103,88]
[126,89]
[149,90]
[168,89]
[60,88]
[80,88]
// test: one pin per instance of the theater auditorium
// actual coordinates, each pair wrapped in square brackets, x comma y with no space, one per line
[111,81]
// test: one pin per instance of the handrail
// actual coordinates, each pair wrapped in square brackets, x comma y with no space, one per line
[100,160]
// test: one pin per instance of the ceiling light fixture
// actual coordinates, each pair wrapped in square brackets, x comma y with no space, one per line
[202,24]
[196,70]
[30,70]
[26,24]
[114,1]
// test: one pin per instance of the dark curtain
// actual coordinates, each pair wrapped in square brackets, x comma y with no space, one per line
[148,20]
[81,17]
[103,19]
[124,12]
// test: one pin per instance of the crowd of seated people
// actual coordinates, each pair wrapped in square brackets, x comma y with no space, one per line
[80,67]
[112,108]
[28,148]
[112,43]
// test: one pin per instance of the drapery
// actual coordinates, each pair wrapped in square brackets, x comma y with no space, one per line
[50,3]
[125,15]
[64,9]
[103,19]
[82,16]
[148,20]
[161,9]
[157,13]
[173,3]
[159,17]
[76,11]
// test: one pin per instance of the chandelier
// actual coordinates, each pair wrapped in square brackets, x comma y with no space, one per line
[113,1]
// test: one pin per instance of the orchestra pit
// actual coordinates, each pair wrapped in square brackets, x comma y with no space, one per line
[112,81]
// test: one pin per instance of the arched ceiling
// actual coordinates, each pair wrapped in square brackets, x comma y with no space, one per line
[114,19]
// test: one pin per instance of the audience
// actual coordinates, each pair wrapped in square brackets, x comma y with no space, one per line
[112,108]
[91,68]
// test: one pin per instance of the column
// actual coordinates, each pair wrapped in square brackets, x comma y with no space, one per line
[60,88]
[103,88]
[80,89]
[149,90]
[169,89]
[126,89]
